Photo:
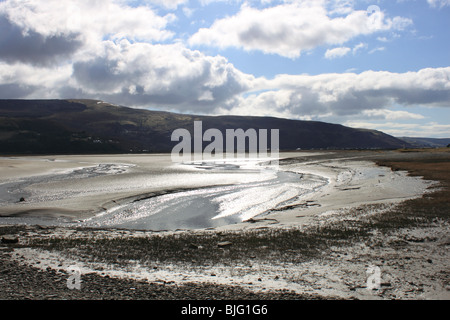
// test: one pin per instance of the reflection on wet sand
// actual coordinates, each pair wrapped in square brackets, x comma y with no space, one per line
[144,191]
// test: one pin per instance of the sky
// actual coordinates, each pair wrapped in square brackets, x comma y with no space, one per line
[376,64]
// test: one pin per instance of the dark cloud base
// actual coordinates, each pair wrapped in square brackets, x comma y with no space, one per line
[28,46]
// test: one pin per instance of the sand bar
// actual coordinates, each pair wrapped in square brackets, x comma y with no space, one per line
[79,187]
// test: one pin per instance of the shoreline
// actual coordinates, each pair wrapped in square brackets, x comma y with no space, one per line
[286,253]
[51,173]
[353,181]
[344,174]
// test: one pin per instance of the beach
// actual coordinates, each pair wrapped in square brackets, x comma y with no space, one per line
[149,192]
[79,187]
[324,245]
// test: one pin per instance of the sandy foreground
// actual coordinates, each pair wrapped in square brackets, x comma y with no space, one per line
[404,263]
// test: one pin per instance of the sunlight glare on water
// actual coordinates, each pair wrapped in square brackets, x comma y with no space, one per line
[162,194]
[213,206]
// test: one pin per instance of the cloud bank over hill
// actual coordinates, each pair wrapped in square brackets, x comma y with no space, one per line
[129,52]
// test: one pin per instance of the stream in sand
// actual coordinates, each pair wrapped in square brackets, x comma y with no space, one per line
[161,195]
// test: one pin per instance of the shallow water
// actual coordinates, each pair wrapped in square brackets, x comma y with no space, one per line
[214,193]
[208,207]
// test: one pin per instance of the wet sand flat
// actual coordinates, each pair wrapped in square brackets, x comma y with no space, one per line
[76,188]
[325,247]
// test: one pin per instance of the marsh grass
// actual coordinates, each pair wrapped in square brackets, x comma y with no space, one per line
[292,245]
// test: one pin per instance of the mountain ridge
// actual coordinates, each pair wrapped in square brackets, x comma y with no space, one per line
[423,142]
[93,126]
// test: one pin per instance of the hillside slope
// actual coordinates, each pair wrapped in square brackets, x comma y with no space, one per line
[92,126]
[426,142]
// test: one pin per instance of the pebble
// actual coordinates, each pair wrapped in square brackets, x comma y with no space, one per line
[10,239]
[224,244]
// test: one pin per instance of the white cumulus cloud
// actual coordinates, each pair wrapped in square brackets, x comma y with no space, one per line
[340,95]
[289,29]
[44,32]
[439,3]
[337,52]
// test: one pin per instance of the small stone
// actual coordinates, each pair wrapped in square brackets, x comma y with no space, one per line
[10,239]
[224,244]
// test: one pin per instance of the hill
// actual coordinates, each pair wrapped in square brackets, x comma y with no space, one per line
[92,126]
[426,142]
